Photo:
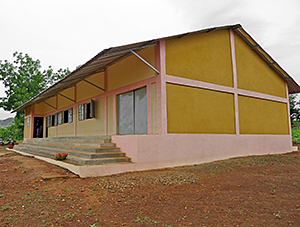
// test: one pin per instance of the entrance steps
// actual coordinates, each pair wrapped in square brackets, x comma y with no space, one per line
[81,150]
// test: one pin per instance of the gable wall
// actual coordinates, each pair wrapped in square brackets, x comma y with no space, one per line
[254,74]
[221,92]
[204,57]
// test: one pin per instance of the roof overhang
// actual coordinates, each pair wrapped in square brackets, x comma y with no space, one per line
[113,55]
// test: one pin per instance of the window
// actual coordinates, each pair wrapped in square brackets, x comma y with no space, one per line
[28,122]
[48,121]
[68,116]
[60,117]
[81,111]
[86,110]
[54,120]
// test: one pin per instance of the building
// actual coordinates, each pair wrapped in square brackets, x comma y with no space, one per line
[186,99]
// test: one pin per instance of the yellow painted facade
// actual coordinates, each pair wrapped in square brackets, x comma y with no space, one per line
[193,110]
[66,129]
[254,74]
[93,126]
[204,57]
[86,90]
[131,69]
[27,127]
[110,115]
[258,116]
[154,108]
[64,102]
[27,111]
[51,132]
[201,57]
[43,108]
[44,127]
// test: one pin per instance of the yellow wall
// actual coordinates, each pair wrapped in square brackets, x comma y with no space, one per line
[154,107]
[43,108]
[254,74]
[66,129]
[258,116]
[44,127]
[131,69]
[204,57]
[86,90]
[193,110]
[28,110]
[110,115]
[94,126]
[27,130]
[62,101]
[51,131]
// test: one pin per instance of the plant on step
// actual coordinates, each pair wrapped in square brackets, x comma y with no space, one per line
[61,156]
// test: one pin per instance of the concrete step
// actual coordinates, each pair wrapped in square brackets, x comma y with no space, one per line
[75,157]
[100,161]
[81,150]
[91,147]
[97,139]
[113,152]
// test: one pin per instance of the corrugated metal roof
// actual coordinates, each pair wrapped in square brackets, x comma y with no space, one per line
[112,55]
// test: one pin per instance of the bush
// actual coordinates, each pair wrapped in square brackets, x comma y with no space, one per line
[296,134]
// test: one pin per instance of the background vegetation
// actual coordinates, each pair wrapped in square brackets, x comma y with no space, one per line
[23,79]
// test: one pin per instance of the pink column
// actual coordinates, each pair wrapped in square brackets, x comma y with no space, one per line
[105,116]
[235,85]
[105,102]
[161,88]
[149,108]
[32,121]
[114,115]
[74,111]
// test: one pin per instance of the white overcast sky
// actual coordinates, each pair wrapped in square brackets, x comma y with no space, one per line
[67,33]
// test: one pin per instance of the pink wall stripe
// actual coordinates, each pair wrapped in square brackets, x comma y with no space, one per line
[234,73]
[105,116]
[105,102]
[32,121]
[216,87]
[114,115]
[149,108]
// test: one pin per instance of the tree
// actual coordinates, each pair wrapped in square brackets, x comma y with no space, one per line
[23,80]
[294,108]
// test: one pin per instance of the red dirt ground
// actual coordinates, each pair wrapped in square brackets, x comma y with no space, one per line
[246,191]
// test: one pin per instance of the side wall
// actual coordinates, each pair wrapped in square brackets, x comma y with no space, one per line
[217,84]
[103,88]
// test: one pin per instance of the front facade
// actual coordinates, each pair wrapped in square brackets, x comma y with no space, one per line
[181,100]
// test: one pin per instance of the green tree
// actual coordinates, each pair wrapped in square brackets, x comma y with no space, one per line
[24,79]
[294,108]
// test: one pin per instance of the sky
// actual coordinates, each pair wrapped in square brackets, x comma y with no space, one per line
[68,33]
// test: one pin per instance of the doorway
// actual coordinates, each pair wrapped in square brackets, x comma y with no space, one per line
[132,117]
[38,127]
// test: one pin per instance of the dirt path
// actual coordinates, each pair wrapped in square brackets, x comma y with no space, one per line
[247,191]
